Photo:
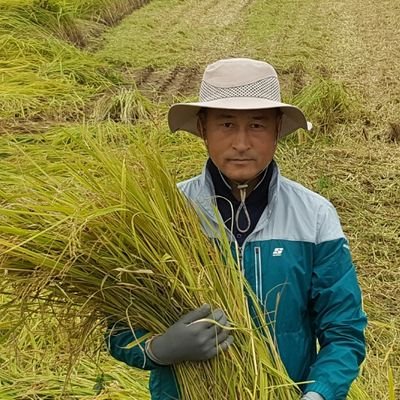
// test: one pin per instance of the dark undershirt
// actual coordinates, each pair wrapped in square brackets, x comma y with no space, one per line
[255,202]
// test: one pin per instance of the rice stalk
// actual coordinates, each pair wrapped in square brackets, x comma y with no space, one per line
[391,385]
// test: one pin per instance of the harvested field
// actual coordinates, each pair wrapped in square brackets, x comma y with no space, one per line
[117,66]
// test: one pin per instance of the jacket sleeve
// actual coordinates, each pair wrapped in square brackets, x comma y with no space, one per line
[338,318]
[118,340]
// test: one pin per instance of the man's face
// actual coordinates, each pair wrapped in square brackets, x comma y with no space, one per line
[241,143]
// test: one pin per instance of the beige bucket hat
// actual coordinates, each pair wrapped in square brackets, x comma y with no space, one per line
[237,84]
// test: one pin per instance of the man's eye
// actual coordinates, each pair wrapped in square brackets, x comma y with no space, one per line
[227,124]
[257,126]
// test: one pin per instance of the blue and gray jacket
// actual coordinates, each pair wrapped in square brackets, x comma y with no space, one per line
[297,254]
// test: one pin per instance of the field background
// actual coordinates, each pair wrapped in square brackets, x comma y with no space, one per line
[68,67]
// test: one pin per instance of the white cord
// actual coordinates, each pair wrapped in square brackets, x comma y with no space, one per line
[243,193]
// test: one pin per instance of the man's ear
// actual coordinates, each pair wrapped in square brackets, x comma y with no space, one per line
[201,129]
[278,127]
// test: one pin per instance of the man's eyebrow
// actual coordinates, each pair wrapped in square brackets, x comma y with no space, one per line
[224,115]
[258,117]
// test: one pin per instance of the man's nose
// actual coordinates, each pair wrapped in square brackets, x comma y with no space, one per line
[241,139]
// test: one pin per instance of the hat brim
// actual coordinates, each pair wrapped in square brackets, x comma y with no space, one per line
[183,116]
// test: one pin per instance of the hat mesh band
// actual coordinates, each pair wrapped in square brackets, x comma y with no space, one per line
[267,88]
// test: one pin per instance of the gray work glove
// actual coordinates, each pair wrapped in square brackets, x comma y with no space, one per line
[192,338]
[312,396]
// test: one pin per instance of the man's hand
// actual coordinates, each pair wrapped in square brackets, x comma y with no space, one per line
[192,338]
[312,396]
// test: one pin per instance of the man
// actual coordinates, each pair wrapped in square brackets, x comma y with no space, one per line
[292,248]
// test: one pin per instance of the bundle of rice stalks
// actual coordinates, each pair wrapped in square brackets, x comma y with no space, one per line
[326,103]
[114,236]
[122,105]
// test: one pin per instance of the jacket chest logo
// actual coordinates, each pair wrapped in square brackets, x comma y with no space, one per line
[277,252]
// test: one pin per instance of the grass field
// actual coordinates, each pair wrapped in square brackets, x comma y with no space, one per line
[84,67]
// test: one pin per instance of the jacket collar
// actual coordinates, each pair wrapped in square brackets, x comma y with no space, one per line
[256,196]
[205,196]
